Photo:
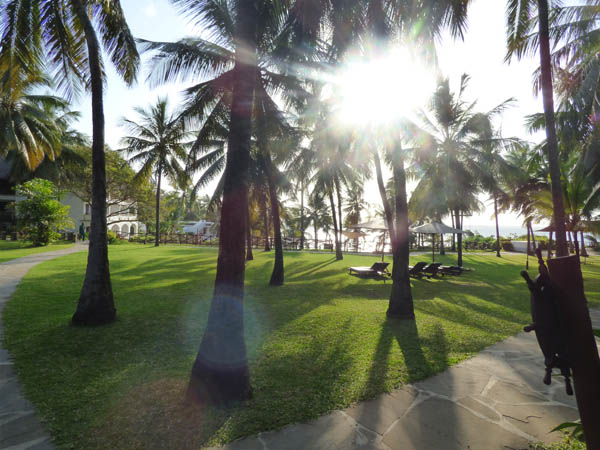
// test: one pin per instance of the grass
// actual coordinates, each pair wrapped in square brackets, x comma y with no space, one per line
[17,249]
[319,343]
[566,443]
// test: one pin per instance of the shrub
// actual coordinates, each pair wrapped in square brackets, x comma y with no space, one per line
[41,215]
[112,237]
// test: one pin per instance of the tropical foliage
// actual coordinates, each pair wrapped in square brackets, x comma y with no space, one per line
[41,214]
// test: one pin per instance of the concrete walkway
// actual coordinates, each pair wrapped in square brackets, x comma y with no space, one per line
[19,426]
[493,401]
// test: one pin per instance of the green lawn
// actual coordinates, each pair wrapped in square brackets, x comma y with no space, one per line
[17,249]
[319,343]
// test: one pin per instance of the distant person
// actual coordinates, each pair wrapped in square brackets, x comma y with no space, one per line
[82,232]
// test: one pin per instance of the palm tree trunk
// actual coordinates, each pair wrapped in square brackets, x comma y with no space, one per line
[550,246]
[220,373]
[277,275]
[497,228]
[453,235]
[302,215]
[249,255]
[265,211]
[528,247]
[552,143]
[400,305]
[338,250]
[316,237]
[570,243]
[387,209]
[442,250]
[96,303]
[583,250]
[339,200]
[576,243]
[533,238]
[158,179]
[459,238]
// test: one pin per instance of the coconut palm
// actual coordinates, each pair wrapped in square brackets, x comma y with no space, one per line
[27,121]
[522,16]
[156,141]
[339,24]
[64,33]
[220,371]
[444,154]
[318,215]
[493,168]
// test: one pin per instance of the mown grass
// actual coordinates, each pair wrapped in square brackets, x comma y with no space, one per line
[319,343]
[17,249]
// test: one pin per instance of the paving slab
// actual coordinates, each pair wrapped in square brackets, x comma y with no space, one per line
[442,424]
[20,428]
[379,414]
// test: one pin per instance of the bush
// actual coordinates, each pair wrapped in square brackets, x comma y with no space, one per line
[112,237]
[479,242]
[41,215]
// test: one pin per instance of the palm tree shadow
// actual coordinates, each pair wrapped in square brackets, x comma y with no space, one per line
[417,365]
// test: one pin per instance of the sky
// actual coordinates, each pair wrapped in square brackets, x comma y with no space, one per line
[480,54]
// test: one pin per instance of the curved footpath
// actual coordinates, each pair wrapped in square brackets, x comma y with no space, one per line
[19,426]
[495,400]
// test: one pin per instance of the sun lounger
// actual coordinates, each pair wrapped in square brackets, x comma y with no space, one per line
[432,270]
[378,270]
[453,270]
[417,270]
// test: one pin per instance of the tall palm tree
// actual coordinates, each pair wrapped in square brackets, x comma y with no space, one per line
[318,215]
[209,102]
[157,143]
[520,21]
[220,371]
[445,154]
[494,169]
[64,32]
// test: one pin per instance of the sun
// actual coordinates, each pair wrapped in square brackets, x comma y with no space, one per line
[382,90]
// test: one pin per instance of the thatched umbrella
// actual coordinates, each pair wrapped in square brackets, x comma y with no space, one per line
[434,228]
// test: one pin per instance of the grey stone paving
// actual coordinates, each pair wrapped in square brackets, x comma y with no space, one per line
[20,428]
[495,400]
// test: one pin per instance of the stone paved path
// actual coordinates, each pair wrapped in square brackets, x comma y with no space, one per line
[20,428]
[493,401]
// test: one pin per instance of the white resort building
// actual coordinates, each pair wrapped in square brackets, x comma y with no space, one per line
[121,217]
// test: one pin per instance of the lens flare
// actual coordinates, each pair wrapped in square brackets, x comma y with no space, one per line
[383,89]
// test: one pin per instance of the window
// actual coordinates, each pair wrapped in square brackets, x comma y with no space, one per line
[88,208]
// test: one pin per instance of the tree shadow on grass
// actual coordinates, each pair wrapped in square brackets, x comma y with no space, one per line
[147,416]
[417,366]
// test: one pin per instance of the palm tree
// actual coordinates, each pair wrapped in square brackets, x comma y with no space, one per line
[28,124]
[156,142]
[220,372]
[342,23]
[65,34]
[318,215]
[520,21]
[494,169]
[209,102]
[445,154]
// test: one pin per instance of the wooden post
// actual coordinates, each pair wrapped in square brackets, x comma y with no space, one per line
[565,272]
